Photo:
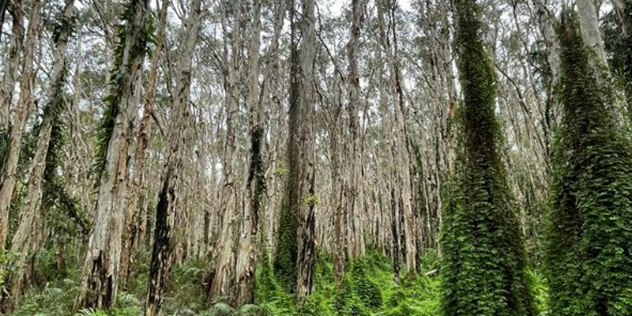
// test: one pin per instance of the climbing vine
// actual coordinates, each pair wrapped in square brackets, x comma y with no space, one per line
[587,252]
[482,242]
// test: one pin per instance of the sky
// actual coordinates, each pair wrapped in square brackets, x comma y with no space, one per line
[337,6]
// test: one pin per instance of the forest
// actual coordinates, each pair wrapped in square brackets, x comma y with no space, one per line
[316,157]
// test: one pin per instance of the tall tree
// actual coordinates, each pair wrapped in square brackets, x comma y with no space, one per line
[162,255]
[400,151]
[99,277]
[295,257]
[25,106]
[587,255]
[306,204]
[27,240]
[132,230]
[9,77]
[224,275]
[546,20]
[482,239]
[255,184]
[286,242]
[355,194]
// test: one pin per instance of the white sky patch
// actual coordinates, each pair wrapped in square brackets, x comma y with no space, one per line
[336,7]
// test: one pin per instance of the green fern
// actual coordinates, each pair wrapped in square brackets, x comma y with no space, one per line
[91,312]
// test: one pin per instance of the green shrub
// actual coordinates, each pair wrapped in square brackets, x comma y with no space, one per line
[219,309]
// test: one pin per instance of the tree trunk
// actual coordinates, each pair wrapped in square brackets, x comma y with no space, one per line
[337,196]
[10,73]
[224,275]
[255,184]
[286,243]
[272,102]
[162,255]
[132,230]
[27,240]
[401,151]
[306,204]
[24,108]
[547,28]
[355,201]
[589,24]
[100,271]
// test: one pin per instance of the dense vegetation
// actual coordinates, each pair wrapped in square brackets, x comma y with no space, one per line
[315,157]
[369,289]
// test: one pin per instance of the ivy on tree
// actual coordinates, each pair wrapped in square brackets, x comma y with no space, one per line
[484,259]
[589,228]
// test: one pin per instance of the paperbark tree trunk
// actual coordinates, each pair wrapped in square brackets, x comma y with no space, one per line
[24,109]
[589,24]
[10,72]
[27,240]
[224,275]
[255,184]
[552,108]
[286,243]
[271,99]
[337,196]
[132,230]
[401,151]
[355,196]
[99,278]
[162,255]
[307,199]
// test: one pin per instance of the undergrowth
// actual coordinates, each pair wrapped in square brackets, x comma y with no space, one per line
[369,288]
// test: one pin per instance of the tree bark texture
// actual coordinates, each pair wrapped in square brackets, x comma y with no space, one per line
[224,275]
[162,255]
[99,277]
[27,240]
[255,184]
[306,205]
[12,61]
[132,229]
[24,108]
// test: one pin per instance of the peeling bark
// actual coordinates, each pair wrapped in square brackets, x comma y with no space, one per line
[132,230]
[162,255]
[9,78]
[25,106]
[224,275]
[255,184]
[401,152]
[27,240]
[99,278]
[306,236]
[355,195]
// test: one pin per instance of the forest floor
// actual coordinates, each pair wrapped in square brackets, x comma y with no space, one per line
[369,289]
